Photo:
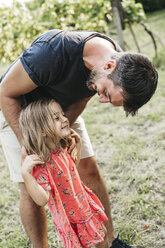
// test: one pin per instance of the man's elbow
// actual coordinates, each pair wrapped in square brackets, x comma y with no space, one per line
[3,96]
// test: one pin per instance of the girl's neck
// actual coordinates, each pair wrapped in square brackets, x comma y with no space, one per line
[60,144]
[53,145]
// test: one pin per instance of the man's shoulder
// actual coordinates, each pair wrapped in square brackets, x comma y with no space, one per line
[112,42]
[48,36]
[65,35]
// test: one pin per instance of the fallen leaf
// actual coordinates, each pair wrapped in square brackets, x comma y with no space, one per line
[146,227]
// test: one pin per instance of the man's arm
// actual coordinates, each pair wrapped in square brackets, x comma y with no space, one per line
[76,109]
[15,83]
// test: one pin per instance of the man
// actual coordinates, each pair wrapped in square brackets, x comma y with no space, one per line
[71,66]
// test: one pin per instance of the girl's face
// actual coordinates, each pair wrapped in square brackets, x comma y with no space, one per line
[60,121]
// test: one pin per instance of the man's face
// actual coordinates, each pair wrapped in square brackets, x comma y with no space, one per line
[105,88]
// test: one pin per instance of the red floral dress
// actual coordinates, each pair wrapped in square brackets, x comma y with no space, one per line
[77,212]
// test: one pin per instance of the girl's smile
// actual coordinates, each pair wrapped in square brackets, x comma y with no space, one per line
[61,121]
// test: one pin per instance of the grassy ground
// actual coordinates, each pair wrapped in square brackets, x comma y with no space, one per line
[130,152]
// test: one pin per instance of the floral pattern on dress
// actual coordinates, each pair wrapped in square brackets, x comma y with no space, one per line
[77,213]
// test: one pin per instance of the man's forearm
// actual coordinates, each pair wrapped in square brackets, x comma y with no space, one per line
[11,109]
[76,109]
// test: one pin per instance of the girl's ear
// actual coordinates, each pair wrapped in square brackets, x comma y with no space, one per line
[43,134]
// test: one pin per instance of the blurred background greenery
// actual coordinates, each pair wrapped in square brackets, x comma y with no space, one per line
[22,21]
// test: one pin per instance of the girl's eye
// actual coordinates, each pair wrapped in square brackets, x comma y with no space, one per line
[56,117]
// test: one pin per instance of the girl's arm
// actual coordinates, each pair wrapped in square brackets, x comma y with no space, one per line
[37,193]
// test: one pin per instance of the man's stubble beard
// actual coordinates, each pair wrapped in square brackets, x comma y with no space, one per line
[94,76]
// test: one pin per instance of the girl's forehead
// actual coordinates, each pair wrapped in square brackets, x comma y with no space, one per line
[55,107]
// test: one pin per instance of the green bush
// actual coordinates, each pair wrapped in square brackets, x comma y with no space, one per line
[152,5]
[17,30]
[159,60]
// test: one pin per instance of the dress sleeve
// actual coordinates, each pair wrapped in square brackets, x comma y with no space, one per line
[41,175]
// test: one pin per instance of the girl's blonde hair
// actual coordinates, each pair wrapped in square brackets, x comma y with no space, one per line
[36,124]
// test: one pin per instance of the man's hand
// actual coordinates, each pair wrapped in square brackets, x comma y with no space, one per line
[74,145]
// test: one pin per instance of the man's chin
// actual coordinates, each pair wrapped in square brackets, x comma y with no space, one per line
[90,86]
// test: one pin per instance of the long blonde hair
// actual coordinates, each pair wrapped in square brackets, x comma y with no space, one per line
[36,124]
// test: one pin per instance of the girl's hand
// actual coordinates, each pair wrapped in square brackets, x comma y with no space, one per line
[74,144]
[29,161]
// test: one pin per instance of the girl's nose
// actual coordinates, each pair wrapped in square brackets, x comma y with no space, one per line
[64,118]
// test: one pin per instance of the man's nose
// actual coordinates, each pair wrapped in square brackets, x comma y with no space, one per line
[118,102]
[103,98]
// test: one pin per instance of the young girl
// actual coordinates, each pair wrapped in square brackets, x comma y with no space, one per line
[50,176]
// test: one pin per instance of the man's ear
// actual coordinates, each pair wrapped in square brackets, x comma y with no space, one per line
[110,65]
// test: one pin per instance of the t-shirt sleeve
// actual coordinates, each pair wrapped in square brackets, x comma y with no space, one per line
[117,47]
[41,175]
[41,63]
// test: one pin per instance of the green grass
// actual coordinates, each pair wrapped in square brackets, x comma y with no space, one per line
[130,152]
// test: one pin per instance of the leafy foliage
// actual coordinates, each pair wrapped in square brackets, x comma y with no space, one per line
[22,23]
[16,30]
[134,11]
[152,5]
[70,14]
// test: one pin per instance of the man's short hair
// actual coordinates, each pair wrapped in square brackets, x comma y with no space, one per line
[137,76]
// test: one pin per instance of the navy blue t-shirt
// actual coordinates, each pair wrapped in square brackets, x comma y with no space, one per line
[54,62]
